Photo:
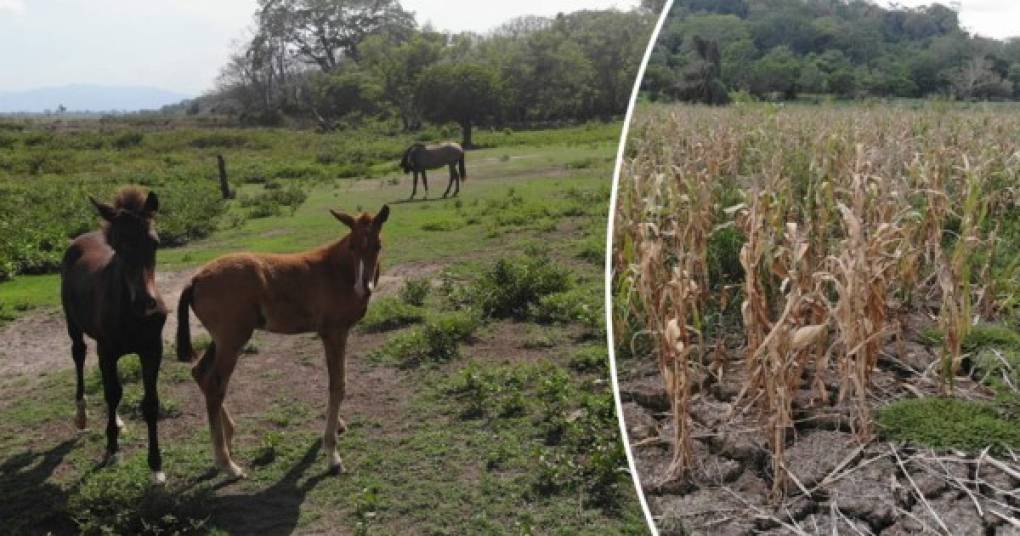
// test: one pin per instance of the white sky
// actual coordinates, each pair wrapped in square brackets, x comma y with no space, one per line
[991,18]
[180,45]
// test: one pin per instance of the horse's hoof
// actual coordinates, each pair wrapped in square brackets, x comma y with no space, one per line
[336,466]
[158,478]
[110,459]
[233,470]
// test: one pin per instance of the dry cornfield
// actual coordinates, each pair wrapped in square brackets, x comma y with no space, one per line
[782,248]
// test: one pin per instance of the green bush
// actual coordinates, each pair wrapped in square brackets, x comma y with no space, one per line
[415,291]
[388,313]
[509,288]
[128,140]
[272,201]
[437,341]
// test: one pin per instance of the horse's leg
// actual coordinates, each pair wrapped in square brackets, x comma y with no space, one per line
[453,173]
[228,427]
[212,374]
[335,344]
[414,189]
[150,408]
[457,177]
[78,352]
[113,392]
[425,182]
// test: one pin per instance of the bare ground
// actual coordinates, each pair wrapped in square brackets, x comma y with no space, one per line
[845,487]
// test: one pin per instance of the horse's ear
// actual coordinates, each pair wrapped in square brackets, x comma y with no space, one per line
[107,212]
[381,217]
[152,203]
[346,219]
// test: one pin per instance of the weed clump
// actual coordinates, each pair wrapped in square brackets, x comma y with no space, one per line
[436,341]
[510,288]
[389,313]
[414,291]
[948,423]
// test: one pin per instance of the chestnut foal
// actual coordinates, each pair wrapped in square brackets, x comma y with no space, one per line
[108,290]
[325,290]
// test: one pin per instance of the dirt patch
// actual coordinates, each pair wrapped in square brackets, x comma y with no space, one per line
[848,487]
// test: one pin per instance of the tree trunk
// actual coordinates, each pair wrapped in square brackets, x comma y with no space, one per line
[465,128]
[224,186]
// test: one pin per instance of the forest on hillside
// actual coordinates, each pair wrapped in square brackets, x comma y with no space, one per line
[779,49]
[338,62]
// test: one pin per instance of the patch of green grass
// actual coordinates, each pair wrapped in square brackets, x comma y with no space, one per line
[593,358]
[592,249]
[436,341]
[390,313]
[580,304]
[947,423]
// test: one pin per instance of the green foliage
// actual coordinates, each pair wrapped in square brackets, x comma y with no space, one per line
[791,46]
[271,202]
[949,424]
[510,287]
[435,342]
[466,94]
[388,313]
[414,291]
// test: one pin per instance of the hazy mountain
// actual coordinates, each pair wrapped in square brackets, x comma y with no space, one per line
[88,98]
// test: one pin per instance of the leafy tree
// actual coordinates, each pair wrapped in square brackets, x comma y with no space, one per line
[339,95]
[464,93]
[324,32]
[397,67]
[776,72]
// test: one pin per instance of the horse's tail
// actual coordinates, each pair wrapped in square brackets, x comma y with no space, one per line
[184,350]
[461,169]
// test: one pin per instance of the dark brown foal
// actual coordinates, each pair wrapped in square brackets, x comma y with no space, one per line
[108,290]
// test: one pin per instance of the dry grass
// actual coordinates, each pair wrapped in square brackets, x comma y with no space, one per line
[848,218]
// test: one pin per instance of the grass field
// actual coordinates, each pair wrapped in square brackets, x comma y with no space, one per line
[809,279]
[478,397]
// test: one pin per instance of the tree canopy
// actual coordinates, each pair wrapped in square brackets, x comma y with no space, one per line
[848,48]
[333,61]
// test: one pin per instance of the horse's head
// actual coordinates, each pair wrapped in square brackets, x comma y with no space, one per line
[129,230]
[365,244]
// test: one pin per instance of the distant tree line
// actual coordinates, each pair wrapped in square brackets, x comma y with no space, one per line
[849,48]
[337,61]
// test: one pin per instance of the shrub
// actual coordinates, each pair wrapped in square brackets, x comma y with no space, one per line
[272,201]
[388,313]
[509,288]
[415,291]
[128,140]
[436,341]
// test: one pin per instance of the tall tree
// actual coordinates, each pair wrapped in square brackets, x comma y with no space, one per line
[464,93]
[325,32]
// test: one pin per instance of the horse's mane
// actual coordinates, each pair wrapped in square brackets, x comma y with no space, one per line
[405,162]
[131,199]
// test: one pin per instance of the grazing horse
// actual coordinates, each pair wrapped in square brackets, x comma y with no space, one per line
[325,291]
[420,157]
[108,290]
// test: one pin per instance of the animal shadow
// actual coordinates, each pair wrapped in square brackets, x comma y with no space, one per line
[274,510]
[28,501]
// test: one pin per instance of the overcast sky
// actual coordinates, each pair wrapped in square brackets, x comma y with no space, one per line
[991,18]
[180,45]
